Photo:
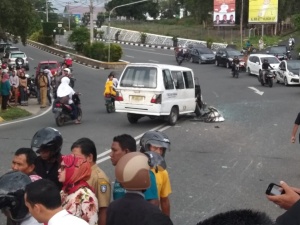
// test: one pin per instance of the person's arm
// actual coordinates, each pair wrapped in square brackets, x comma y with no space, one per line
[165,205]
[17,81]
[287,199]
[102,216]
[295,129]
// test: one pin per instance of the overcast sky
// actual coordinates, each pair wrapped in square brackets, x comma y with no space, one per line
[60,4]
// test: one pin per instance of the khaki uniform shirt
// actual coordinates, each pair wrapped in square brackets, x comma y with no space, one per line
[101,184]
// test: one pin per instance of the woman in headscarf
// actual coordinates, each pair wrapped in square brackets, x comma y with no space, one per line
[78,197]
[5,89]
[65,94]
[23,88]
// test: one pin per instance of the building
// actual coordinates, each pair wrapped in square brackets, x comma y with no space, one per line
[79,10]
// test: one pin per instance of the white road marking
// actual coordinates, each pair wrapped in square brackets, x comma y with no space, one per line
[159,128]
[129,56]
[256,91]
[30,58]
[215,93]
[23,120]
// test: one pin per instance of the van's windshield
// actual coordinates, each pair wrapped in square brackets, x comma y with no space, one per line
[139,77]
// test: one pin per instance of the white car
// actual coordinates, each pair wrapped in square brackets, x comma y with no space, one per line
[288,72]
[255,61]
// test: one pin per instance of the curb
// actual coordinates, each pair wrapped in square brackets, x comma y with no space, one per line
[1,119]
[138,44]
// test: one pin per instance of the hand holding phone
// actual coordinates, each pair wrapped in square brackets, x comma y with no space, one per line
[274,189]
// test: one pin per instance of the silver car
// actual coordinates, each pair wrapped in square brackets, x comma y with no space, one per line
[10,58]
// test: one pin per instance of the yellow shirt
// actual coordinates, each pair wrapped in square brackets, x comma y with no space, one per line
[101,185]
[163,183]
[109,88]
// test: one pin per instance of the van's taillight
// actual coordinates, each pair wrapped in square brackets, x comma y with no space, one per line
[57,104]
[156,99]
[119,97]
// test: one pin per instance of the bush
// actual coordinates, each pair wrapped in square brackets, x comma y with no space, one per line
[97,51]
[116,53]
[143,37]
[86,50]
[46,40]
[36,35]
[101,34]
[48,28]
[209,42]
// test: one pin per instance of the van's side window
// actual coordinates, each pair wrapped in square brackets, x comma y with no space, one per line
[188,79]
[178,79]
[168,82]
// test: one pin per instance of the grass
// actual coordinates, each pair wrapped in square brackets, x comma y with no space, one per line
[14,113]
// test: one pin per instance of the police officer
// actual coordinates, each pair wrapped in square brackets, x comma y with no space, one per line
[265,66]
[47,142]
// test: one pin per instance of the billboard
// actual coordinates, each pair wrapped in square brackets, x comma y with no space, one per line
[224,12]
[263,11]
[77,18]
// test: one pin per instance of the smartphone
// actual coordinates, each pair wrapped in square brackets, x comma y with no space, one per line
[274,189]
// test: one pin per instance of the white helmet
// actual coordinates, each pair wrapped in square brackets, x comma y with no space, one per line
[67,70]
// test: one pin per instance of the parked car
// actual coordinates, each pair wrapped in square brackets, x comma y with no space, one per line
[54,67]
[288,72]
[280,51]
[254,63]
[224,56]
[202,55]
[11,56]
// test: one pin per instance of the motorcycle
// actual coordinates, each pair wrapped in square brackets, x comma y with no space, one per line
[31,90]
[63,111]
[235,72]
[288,55]
[269,77]
[109,103]
[184,55]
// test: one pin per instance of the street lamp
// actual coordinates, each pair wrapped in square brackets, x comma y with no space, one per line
[119,6]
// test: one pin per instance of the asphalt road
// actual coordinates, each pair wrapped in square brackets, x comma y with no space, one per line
[214,167]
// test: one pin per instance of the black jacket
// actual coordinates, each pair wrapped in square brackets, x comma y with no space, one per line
[291,216]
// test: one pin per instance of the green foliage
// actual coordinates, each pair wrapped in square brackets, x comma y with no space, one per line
[97,51]
[143,37]
[47,40]
[296,21]
[268,40]
[14,113]
[79,37]
[36,35]
[209,42]
[48,28]
[86,50]
[86,18]
[101,33]
[116,52]
[100,19]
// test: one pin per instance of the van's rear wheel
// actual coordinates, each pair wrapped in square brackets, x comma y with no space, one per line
[173,117]
[132,118]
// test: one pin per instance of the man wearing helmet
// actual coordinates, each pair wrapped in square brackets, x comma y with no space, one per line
[235,62]
[68,60]
[12,185]
[158,142]
[122,145]
[265,66]
[132,171]
[47,142]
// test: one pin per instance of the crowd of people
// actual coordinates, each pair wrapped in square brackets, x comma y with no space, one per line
[58,188]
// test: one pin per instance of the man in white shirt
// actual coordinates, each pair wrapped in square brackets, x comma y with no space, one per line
[43,200]
[14,82]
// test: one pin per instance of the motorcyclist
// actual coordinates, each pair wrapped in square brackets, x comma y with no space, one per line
[47,142]
[115,80]
[65,94]
[109,89]
[292,40]
[12,185]
[265,67]
[235,62]
[68,60]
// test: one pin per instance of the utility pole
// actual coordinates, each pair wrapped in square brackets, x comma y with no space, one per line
[69,19]
[47,11]
[241,23]
[91,21]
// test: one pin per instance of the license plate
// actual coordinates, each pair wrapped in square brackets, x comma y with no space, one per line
[57,109]
[136,98]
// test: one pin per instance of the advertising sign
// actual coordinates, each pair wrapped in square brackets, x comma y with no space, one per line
[263,11]
[224,12]
[77,18]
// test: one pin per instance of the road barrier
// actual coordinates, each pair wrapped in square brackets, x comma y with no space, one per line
[78,58]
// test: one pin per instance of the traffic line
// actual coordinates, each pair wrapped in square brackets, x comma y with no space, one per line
[102,157]
[256,91]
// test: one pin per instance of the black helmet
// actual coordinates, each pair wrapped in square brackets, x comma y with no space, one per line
[47,138]
[155,138]
[236,57]
[156,161]
[265,60]
[12,186]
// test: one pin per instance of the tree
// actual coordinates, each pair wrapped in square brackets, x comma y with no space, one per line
[136,11]
[79,37]
[86,18]
[296,21]
[100,19]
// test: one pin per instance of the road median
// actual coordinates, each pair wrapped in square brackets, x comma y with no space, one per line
[78,58]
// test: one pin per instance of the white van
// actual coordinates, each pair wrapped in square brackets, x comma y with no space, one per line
[147,89]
